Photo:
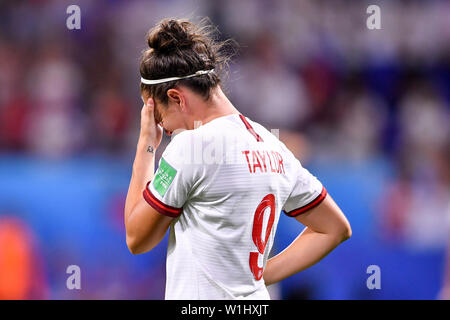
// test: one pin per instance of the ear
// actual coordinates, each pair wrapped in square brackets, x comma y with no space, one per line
[176,96]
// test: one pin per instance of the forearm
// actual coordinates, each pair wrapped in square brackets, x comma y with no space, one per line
[306,250]
[144,226]
[143,171]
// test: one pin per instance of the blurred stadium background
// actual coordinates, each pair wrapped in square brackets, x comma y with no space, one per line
[367,111]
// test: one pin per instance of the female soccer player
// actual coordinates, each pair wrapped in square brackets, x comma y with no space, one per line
[221,183]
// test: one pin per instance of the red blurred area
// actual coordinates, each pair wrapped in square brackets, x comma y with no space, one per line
[21,275]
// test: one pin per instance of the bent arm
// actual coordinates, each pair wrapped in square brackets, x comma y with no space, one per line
[326,228]
[145,227]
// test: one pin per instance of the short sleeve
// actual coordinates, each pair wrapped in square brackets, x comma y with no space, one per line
[172,182]
[307,193]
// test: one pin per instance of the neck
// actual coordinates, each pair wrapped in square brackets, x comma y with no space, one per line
[216,106]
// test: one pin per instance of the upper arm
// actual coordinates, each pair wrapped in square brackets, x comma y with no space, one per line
[145,227]
[326,217]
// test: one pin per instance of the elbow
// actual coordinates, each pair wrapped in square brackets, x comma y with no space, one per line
[346,232]
[133,239]
[139,245]
[341,232]
[136,247]
[132,246]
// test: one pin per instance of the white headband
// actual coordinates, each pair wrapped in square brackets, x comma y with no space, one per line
[156,81]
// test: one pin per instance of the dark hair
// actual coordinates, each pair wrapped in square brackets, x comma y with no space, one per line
[179,48]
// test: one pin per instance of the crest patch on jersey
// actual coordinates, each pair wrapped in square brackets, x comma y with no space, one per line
[164,177]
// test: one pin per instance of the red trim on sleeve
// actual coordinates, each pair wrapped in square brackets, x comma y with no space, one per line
[309,206]
[250,128]
[160,206]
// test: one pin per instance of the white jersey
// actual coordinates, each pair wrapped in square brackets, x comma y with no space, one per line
[226,183]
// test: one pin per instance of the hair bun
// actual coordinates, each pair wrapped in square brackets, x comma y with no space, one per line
[171,35]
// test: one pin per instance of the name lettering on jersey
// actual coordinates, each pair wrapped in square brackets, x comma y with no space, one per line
[263,161]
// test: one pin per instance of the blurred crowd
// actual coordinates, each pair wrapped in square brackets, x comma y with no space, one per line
[336,90]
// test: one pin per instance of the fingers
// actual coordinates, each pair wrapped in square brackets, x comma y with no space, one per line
[150,104]
[151,131]
[147,112]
